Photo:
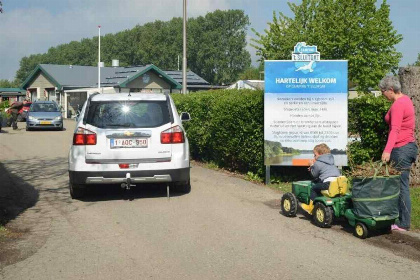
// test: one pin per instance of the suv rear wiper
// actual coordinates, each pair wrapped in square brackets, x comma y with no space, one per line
[121,124]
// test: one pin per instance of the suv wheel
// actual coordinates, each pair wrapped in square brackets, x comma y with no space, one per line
[182,187]
[77,191]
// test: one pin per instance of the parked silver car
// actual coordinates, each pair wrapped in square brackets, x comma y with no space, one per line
[44,115]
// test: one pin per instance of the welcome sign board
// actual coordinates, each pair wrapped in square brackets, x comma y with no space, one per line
[305,104]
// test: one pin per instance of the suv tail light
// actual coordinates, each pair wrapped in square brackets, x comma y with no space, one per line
[172,136]
[83,136]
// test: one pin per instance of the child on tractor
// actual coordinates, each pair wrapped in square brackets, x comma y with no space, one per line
[323,170]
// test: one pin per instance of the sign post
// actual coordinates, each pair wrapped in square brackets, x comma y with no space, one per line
[305,104]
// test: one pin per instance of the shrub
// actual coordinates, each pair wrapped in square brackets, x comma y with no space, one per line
[3,106]
[226,127]
[366,122]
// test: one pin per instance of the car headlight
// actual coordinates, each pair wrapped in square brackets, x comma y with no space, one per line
[32,118]
[58,118]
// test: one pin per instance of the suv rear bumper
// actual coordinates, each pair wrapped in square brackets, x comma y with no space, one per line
[117,177]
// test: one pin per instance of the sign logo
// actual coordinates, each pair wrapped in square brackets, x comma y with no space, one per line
[146,78]
[305,57]
[128,133]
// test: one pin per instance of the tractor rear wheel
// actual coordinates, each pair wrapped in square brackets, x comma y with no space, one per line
[289,205]
[322,215]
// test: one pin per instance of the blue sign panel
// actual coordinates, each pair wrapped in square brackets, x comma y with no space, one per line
[306,77]
[305,104]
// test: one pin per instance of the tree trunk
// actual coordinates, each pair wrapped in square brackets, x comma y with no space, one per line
[410,85]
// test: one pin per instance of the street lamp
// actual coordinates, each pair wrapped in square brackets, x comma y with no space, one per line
[99,57]
[184,51]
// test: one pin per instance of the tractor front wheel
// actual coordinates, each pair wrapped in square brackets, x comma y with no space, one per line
[289,205]
[322,215]
[360,230]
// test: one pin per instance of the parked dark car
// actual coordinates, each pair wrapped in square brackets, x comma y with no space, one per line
[44,115]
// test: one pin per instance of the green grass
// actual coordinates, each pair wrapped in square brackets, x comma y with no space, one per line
[282,186]
[415,208]
[3,231]
[211,165]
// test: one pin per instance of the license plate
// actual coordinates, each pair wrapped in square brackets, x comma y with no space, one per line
[129,143]
[45,122]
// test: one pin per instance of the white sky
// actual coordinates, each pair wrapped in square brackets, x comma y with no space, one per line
[33,26]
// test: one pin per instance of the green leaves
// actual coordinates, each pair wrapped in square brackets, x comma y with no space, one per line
[417,63]
[226,128]
[216,47]
[366,122]
[355,30]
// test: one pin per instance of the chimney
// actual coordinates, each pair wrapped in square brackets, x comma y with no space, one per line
[115,63]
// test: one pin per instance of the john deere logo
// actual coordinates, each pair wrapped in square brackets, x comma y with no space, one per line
[128,133]
[305,57]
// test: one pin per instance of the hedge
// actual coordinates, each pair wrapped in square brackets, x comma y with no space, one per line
[227,128]
[367,124]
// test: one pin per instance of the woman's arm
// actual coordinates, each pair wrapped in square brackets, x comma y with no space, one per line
[396,116]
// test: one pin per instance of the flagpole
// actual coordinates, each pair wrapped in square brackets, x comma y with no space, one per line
[99,58]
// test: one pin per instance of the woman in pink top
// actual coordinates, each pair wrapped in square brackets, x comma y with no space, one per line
[401,147]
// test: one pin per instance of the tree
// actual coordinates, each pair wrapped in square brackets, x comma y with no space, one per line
[7,84]
[216,50]
[253,73]
[216,47]
[354,30]
[417,63]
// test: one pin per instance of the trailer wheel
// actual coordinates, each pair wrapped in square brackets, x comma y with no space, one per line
[322,215]
[289,205]
[360,230]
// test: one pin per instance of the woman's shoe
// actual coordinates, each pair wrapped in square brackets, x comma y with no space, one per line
[395,227]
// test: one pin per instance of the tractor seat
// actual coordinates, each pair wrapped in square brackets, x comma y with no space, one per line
[337,187]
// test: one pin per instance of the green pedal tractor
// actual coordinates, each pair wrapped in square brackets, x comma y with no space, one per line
[335,202]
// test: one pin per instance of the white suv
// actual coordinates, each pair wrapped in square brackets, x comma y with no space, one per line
[129,139]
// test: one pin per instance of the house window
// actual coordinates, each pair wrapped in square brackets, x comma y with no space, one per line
[34,96]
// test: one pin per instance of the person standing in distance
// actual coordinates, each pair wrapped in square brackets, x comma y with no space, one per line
[14,111]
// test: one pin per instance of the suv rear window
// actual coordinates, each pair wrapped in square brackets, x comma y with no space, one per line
[112,114]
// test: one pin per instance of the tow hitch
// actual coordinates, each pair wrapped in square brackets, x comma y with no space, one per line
[127,184]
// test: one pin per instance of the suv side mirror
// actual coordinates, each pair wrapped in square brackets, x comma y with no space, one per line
[185,116]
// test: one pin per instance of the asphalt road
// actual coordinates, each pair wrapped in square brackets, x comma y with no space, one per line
[226,228]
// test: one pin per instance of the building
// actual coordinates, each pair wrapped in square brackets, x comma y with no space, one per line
[70,85]
[354,94]
[248,84]
[12,94]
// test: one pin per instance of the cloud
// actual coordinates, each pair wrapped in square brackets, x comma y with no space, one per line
[30,30]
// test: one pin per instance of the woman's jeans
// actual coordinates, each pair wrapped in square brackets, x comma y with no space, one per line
[402,158]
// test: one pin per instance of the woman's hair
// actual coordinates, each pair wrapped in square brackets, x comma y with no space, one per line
[322,149]
[390,82]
